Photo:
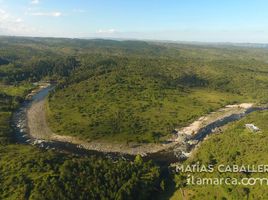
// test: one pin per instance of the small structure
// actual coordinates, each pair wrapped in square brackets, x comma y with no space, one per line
[193,142]
[252,127]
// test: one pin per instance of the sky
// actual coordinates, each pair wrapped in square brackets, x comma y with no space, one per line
[177,20]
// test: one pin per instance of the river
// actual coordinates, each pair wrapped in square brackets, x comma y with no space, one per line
[172,153]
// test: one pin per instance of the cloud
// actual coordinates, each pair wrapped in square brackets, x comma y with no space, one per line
[12,25]
[48,14]
[18,20]
[35,2]
[3,15]
[108,31]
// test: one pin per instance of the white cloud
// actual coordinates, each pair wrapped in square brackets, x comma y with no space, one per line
[19,20]
[3,15]
[12,25]
[108,31]
[35,2]
[48,14]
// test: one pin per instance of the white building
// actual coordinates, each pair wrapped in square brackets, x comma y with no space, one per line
[252,127]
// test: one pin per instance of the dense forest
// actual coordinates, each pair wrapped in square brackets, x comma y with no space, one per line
[127,91]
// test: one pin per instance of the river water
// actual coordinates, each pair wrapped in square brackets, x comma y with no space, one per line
[19,123]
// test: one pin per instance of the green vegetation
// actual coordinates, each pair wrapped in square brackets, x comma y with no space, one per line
[128,114]
[29,173]
[10,97]
[131,90]
[142,98]
[128,91]
[235,146]
[4,127]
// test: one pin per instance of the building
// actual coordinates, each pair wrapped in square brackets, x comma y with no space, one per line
[252,127]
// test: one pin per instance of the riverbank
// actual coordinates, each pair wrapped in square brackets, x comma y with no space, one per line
[186,138]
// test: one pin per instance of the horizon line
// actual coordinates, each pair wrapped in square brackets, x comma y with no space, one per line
[137,39]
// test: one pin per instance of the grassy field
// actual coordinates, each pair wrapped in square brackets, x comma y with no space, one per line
[129,116]
[19,90]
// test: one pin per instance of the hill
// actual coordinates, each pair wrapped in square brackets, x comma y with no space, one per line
[142,98]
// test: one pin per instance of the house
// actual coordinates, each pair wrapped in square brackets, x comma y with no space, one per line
[252,127]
